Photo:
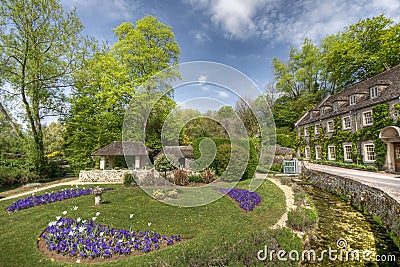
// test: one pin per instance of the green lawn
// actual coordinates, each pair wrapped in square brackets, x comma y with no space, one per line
[215,231]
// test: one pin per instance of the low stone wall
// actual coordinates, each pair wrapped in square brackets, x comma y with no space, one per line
[144,177]
[373,200]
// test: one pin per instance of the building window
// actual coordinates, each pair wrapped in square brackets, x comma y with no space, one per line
[352,100]
[330,126]
[317,152]
[346,123]
[331,153]
[335,106]
[322,110]
[367,118]
[306,133]
[374,92]
[317,129]
[347,152]
[369,153]
[311,114]
[307,152]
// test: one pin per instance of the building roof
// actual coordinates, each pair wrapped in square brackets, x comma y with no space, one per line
[177,151]
[120,148]
[390,79]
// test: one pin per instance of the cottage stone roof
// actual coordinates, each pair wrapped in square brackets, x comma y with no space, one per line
[119,148]
[390,79]
[177,151]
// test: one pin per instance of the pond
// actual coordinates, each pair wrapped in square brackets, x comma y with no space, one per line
[341,224]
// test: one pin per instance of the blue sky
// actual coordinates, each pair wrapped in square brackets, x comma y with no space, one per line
[244,34]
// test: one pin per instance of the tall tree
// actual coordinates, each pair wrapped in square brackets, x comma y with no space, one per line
[41,48]
[117,78]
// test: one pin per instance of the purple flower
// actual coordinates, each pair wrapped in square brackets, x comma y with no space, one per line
[247,200]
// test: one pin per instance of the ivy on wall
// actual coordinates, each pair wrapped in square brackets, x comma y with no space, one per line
[381,118]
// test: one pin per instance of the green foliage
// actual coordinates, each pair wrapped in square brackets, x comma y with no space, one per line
[302,219]
[41,49]
[223,157]
[130,179]
[277,168]
[162,164]
[195,178]
[114,78]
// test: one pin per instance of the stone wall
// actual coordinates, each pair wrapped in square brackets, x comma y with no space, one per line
[144,177]
[373,200]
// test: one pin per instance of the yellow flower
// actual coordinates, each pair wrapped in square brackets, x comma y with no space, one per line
[52,259]
[38,238]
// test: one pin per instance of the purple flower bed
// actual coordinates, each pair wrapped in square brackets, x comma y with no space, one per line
[87,239]
[247,200]
[32,201]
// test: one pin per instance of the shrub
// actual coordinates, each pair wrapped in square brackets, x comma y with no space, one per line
[158,194]
[129,179]
[277,168]
[172,193]
[181,177]
[302,219]
[162,164]
[208,176]
[151,178]
[195,178]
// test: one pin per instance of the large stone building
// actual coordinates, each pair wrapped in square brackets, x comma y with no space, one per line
[359,124]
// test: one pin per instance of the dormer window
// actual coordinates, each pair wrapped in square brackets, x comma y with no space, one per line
[352,100]
[335,106]
[322,110]
[374,92]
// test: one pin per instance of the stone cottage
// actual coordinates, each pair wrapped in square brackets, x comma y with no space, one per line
[342,127]
[136,154]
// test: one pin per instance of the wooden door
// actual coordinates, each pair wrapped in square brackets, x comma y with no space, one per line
[397,157]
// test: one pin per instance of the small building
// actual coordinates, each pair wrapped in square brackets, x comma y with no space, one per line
[137,154]
[344,126]
[182,154]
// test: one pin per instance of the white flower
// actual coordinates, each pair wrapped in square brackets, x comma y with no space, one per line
[101,233]
[131,216]
[79,219]
[75,208]
[97,214]
[78,261]
[59,223]
[84,221]
[71,233]
[58,217]
[149,224]
[81,229]
[64,212]
[52,223]
[94,218]
[73,228]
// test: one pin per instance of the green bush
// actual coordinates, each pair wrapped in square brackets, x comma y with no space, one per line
[129,179]
[195,178]
[277,168]
[223,156]
[302,218]
[346,165]
[16,175]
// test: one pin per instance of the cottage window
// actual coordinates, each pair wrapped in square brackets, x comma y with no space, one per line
[322,110]
[306,133]
[307,152]
[374,92]
[335,106]
[317,152]
[330,126]
[331,153]
[347,152]
[317,129]
[352,100]
[367,118]
[346,123]
[369,153]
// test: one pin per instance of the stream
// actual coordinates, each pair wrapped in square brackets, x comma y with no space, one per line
[338,220]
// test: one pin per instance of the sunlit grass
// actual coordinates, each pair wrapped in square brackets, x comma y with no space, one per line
[204,226]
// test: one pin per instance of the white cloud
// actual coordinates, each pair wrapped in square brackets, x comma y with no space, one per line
[291,21]
[223,94]
[202,78]
[235,17]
